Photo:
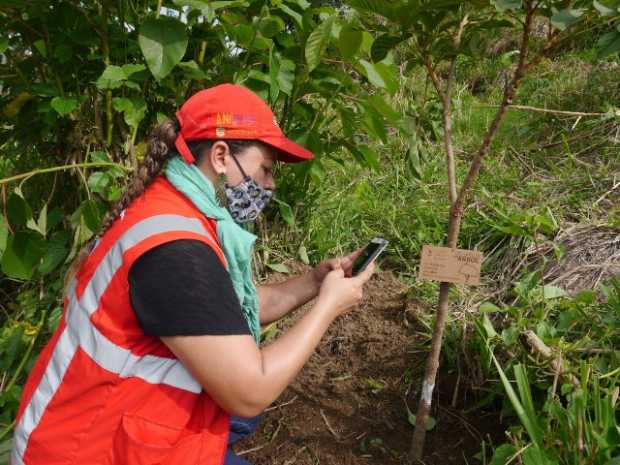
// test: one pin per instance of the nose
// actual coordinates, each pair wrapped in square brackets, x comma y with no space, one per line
[270,183]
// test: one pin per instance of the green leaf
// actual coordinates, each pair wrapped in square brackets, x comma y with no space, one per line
[566,17]
[488,307]
[384,44]
[4,234]
[525,415]
[553,292]
[605,10]
[608,44]
[379,104]
[23,252]
[40,46]
[317,43]
[98,182]
[130,69]
[163,42]
[191,70]
[292,13]
[56,252]
[375,125]
[91,214]
[286,211]
[42,220]
[488,326]
[111,78]
[133,109]
[270,26]
[4,44]
[279,267]
[380,75]
[505,5]
[349,42]
[18,210]
[384,8]
[370,157]
[502,454]
[11,347]
[64,105]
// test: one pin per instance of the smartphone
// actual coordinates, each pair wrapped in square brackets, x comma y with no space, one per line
[370,252]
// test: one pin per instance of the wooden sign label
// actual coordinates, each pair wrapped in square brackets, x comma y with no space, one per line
[444,264]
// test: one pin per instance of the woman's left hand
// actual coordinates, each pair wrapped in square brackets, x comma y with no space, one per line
[346,263]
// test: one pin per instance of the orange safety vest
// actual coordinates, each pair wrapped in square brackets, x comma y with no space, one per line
[103,392]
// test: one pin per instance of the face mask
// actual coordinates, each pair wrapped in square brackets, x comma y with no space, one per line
[247,199]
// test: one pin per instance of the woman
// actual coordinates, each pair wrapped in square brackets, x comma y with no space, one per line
[159,342]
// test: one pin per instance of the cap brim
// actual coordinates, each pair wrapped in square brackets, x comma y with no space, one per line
[288,151]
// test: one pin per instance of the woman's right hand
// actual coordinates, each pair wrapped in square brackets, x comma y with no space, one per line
[340,293]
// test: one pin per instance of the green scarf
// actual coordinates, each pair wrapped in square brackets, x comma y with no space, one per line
[236,241]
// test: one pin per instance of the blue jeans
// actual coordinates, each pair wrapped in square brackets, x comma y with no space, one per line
[240,428]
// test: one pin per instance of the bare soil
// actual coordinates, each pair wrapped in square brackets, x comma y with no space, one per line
[348,404]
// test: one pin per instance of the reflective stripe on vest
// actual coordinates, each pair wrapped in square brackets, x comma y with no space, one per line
[81,333]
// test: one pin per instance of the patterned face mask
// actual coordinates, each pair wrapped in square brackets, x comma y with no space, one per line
[247,199]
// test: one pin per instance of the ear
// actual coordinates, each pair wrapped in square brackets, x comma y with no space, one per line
[217,156]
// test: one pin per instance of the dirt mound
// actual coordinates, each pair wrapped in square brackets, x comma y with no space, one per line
[347,406]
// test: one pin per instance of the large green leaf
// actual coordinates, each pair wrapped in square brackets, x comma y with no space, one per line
[349,41]
[270,26]
[317,43]
[380,75]
[133,109]
[23,252]
[18,210]
[566,17]
[111,78]
[163,42]
[609,43]
[56,252]
[92,214]
[64,105]
[384,44]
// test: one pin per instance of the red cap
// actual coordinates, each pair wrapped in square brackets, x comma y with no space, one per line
[229,111]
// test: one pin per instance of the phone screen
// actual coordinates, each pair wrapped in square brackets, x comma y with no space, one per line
[362,259]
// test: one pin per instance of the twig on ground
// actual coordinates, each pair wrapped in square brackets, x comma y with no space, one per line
[284,404]
[613,188]
[253,449]
[329,427]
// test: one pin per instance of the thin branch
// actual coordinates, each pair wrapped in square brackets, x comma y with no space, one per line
[29,174]
[509,94]
[546,110]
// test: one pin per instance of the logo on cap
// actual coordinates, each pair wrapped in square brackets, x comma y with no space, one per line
[220,132]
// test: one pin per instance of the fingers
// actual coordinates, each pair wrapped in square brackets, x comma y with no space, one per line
[335,263]
[366,274]
[337,272]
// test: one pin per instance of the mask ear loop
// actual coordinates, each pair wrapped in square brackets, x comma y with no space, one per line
[245,176]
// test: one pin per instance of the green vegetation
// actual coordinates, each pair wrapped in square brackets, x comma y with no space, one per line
[82,83]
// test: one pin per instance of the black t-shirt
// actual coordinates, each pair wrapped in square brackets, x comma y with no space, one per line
[181,288]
